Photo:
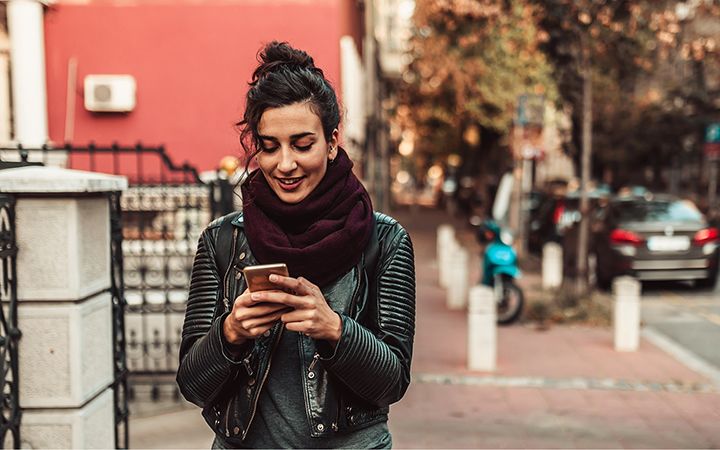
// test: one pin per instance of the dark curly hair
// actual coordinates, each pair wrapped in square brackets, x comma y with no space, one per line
[284,76]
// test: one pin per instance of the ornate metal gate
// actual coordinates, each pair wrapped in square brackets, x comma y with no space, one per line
[9,333]
[156,224]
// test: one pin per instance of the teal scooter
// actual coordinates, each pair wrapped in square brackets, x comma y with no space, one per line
[500,270]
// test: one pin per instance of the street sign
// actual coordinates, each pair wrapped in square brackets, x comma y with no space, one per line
[530,110]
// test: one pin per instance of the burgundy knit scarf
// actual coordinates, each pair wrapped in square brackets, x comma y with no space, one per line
[321,237]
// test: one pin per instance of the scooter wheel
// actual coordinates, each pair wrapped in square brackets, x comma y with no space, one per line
[511,304]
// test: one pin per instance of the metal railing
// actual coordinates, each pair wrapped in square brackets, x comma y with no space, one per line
[155,227]
[9,333]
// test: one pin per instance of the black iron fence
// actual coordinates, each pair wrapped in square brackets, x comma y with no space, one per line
[156,224]
[9,332]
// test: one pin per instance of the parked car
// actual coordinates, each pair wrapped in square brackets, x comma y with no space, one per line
[655,237]
[554,216]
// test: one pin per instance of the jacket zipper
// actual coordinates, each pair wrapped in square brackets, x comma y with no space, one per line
[231,264]
[352,310]
[262,383]
[226,301]
[316,356]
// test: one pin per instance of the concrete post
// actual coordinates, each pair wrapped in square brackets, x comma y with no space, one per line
[458,278]
[27,62]
[446,246]
[64,305]
[5,115]
[482,329]
[552,265]
[626,313]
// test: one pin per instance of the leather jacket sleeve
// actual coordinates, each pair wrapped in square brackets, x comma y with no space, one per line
[205,364]
[376,365]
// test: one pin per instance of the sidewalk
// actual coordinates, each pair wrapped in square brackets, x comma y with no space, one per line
[561,388]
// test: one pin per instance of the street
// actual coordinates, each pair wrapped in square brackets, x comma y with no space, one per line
[688,317]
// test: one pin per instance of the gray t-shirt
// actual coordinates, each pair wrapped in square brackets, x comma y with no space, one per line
[281,420]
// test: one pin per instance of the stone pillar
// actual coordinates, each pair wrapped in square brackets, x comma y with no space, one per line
[27,63]
[64,305]
[626,313]
[457,278]
[552,265]
[482,329]
[446,245]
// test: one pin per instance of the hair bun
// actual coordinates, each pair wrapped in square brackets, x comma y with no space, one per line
[280,54]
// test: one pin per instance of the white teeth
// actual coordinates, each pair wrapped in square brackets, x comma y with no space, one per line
[288,180]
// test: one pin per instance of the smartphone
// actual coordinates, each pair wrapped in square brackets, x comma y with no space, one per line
[258,277]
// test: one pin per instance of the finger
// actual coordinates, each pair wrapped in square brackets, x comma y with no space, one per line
[256,322]
[297,315]
[262,308]
[280,297]
[259,310]
[259,330]
[298,285]
[244,299]
[300,327]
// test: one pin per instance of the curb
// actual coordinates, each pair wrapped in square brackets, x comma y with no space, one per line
[603,384]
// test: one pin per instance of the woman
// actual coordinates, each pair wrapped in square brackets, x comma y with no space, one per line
[317,362]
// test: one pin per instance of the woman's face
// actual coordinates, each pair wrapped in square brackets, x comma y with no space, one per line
[294,152]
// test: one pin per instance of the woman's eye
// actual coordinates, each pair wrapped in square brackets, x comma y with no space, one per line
[303,147]
[269,148]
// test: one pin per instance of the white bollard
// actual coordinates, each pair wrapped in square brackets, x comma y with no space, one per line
[552,265]
[626,313]
[445,248]
[452,249]
[457,288]
[482,329]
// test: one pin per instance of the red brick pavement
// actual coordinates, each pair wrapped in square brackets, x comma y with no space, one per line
[647,414]
[496,415]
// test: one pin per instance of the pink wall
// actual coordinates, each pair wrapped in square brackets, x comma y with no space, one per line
[191,62]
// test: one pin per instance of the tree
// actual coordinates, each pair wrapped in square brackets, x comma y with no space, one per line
[471,61]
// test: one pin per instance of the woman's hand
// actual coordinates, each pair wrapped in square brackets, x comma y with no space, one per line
[250,319]
[311,314]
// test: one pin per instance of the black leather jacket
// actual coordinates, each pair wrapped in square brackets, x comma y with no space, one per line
[348,387]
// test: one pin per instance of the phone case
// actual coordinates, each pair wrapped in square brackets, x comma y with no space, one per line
[258,277]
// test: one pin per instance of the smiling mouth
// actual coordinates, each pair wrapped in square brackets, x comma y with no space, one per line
[289,183]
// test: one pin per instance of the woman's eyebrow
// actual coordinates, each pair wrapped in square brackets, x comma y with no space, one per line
[301,135]
[292,136]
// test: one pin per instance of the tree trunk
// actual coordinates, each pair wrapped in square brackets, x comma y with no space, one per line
[582,249]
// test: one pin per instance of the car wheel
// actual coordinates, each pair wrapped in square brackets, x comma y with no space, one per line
[712,278]
[709,282]
[706,283]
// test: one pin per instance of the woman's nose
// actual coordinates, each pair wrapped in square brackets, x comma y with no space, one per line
[287,161]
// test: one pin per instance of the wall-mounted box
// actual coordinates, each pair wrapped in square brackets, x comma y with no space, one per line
[110,93]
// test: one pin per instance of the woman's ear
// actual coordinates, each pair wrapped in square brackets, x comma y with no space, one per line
[333,144]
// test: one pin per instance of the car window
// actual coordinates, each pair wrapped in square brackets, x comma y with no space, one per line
[658,211]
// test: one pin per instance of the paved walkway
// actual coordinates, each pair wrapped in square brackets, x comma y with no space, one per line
[561,388]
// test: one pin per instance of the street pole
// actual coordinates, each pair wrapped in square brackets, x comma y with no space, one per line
[585,169]
[526,187]
[370,100]
[516,197]
[712,184]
